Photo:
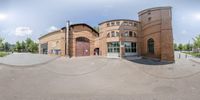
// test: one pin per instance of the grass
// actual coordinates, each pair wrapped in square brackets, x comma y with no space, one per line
[193,54]
[2,54]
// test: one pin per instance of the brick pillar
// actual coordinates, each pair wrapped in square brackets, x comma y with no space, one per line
[122,52]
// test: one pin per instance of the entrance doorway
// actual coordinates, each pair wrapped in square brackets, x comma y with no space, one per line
[150,43]
[96,51]
[82,46]
[113,49]
[44,48]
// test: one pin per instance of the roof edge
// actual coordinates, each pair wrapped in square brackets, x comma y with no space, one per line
[154,8]
[118,20]
[70,26]
[49,33]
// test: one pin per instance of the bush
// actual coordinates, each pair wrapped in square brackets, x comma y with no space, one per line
[193,54]
[2,54]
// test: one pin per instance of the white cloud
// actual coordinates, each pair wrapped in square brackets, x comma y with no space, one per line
[197,16]
[23,31]
[3,16]
[52,28]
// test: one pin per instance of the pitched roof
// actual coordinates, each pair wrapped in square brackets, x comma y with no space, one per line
[71,26]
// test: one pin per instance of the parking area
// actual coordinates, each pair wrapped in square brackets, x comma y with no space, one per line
[99,78]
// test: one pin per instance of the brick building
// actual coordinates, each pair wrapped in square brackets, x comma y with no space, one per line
[151,37]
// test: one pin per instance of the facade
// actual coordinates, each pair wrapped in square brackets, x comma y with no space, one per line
[149,37]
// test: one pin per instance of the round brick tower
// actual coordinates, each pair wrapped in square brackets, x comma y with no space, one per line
[156,38]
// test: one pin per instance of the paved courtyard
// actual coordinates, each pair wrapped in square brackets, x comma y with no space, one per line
[40,77]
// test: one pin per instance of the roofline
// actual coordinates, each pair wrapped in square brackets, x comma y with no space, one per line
[118,20]
[72,25]
[49,33]
[154,8]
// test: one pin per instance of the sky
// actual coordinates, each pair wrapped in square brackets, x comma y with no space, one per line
[20,19]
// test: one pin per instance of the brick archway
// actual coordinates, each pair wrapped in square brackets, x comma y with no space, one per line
[82,46]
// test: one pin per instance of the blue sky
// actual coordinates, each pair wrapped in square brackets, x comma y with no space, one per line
[20,19]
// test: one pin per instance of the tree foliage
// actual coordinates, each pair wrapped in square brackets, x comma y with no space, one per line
[26,46]
[180,47]
[197,41]
[175,46]
[1,44]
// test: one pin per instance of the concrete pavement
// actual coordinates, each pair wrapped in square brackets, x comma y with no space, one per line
[98,78]
[26,59]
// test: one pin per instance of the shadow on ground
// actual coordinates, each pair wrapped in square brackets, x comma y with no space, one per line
[149,62]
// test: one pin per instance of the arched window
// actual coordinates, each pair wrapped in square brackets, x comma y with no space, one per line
[135,35]
[113,34]
[117,34]
[108,35]
[130,33]
[150,43]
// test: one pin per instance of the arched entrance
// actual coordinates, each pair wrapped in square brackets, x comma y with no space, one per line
[82,46]
[96,51]
[150,43]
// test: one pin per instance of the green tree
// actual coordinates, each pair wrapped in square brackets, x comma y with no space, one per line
[184,47]
[28,43]
[1,44]
[180,47]
[18,46]
[23,46]
[175,46]
[33,47]
[6,46]
[26,46]
[197,41]
[188,47]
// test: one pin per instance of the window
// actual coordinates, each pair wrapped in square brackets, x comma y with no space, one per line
[108,24]
[150,43]
[149,19]
[117,34]
[130,23]
[135,35]
[112,23]
[113,47]
[130,33]
[108,35]
[125,23]
[130,47]
[135,24]
[113,34]
[126,34]
[117,23]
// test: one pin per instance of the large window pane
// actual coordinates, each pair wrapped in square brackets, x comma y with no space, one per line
[130,47]
[113,47]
